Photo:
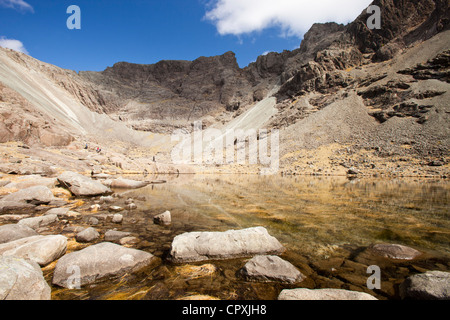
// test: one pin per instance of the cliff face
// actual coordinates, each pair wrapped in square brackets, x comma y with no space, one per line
[403,23]
[172,90]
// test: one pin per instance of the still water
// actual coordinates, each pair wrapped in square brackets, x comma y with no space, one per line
[324,223]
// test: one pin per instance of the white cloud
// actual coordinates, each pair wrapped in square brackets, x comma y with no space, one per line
[293,17]
[16,4]
[12,44]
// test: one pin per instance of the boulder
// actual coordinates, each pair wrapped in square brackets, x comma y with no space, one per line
[323,294]
[99,262]
[431,285]
[33,195]
[11,232]
[199,246]
[93,221]
[122,183]
[37,222]
[81,185]
[271,268]
[87,235]
[164,218]
[40,249]
[394,251]
[22,279]
[117,218]
[14,205]
[32,181]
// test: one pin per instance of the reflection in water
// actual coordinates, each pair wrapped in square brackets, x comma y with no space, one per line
[316,219]
[309,212]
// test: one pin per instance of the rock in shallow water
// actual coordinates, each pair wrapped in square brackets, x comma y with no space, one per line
[22,279]
[323,294]
[117,218]
[395,251]
[81,185]
[164,218]
[87,235]
[271,268]
[98,262]
[431,285]
[121,183]
[199,246]
[63,213]
[40,249]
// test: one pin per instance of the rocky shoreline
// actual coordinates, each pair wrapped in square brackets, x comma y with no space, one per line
[67,232]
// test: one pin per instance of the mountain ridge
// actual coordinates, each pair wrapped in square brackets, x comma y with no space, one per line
[372,70]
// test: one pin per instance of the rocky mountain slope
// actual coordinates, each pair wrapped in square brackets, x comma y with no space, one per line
[346,94]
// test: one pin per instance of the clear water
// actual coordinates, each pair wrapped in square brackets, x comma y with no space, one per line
[317,219]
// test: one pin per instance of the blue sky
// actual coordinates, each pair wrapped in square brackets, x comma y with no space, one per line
[147,31]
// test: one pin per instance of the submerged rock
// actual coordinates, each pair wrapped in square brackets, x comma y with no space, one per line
[431,285]
[22,279]
[122,183]
[199,246]
[115,236]
[40,249]
[271,268]
[394,251]
[80,185]
[129,241]
[99,262]
[323,294]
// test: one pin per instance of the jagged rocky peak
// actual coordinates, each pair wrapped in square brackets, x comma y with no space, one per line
[173,89]
[403,23]
[319,36]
